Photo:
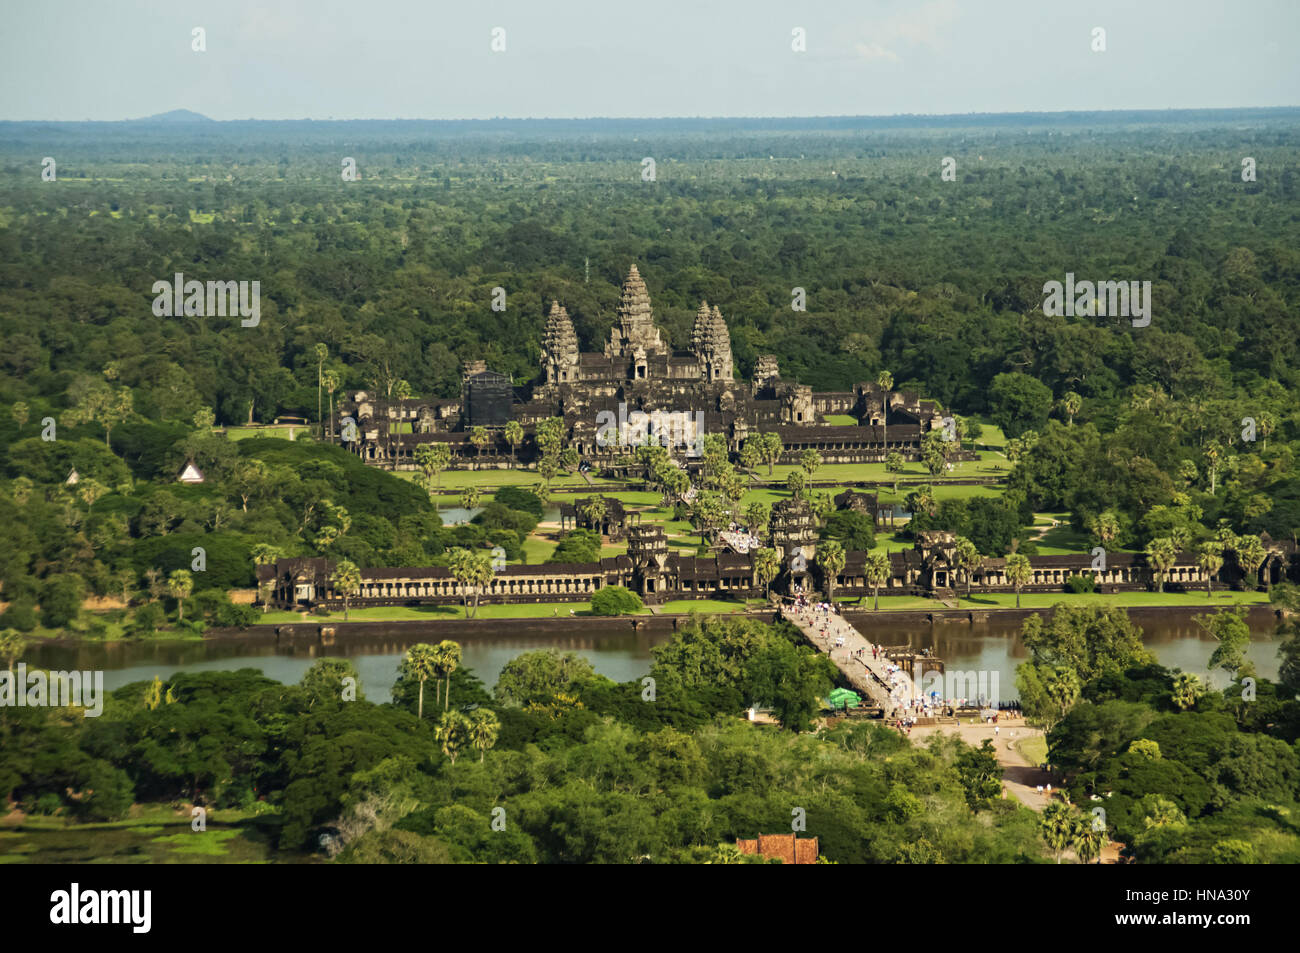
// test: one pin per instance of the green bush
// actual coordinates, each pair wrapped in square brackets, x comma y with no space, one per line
[1080,584]
[615,600]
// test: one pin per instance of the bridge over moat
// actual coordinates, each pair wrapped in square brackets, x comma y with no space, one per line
[853,658]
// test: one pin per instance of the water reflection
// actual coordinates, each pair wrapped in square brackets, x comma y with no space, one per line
[620,654]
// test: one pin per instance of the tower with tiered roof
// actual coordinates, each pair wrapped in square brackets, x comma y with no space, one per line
[636,335]
[559,347]
[711,344]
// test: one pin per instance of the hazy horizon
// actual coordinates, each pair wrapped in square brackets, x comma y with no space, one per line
[583,59]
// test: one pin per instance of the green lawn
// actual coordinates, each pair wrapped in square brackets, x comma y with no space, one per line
[280,431]
[1128,600]
[491,479]
[154,833]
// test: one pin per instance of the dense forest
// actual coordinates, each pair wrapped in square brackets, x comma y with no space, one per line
[557,764]
[1137,432]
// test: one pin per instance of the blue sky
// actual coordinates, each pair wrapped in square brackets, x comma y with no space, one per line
[426,59]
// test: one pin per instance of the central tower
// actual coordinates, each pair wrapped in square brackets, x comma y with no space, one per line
[636,335]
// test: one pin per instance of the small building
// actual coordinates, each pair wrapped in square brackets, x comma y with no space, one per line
[613,524]
[190,473]
[787,848]
[858,502]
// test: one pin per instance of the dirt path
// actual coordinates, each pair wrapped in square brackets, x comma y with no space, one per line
[1019,776]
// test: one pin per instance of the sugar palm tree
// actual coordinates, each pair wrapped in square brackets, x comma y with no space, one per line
[1056,824]
[452,733]
[772,450]
[594,509]
[1187,689]
[966,557]
[1161,553]
[421,663]
[447,657]
[830,557]
[1089,838]
[878,571]
[480,438]
[1018,572]
[885,381]
[331,380]
[810,460]
[321,352]
[472,570]
[484,727]
[180,584]
[433,458]
[1210,558]
[514,434]
[346,580]
[767,565]
[1251,555]
[1071,403]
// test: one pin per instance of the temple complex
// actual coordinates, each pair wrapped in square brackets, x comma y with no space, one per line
[658,575]
[638,372]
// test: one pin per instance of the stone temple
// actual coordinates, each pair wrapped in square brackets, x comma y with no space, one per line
[639,372]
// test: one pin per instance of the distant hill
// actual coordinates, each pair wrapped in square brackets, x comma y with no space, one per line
[176,115]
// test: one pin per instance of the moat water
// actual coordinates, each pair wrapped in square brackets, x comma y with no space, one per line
[620,654]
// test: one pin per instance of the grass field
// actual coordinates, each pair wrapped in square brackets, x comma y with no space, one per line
[281,431]
[151,834]
[991,601]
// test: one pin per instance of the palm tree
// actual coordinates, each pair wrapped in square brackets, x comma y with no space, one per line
[1251,555]
[180,584]
[514,434]
[452,732]
[1018,572]
[594,509]
[1105,527]
[1186,690]
[1056,824]
[331,380]
[484,727]
[422,663]
[346,580]
[472,570]
[1089,838]
[830,557]
[878,571]
[447,656]
[1213,451]
[810,460]
[1267,424]
[480,438]
[1071,403]
[767,565]
[1161,553]
[772,450]
[432,459]
[966,557]
[470,497]
[756,516]
[322,352]
[1210,558]
[886,381]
